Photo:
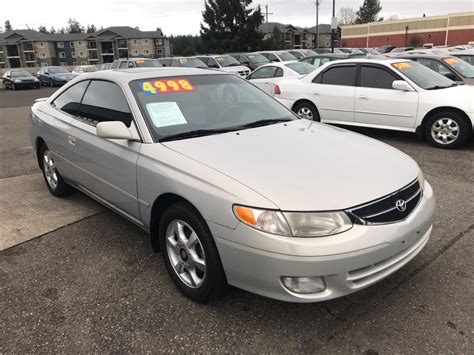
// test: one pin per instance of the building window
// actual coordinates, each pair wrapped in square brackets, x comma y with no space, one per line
[62,55]
[74,63]
[145,41]
[135,52]
[73,54]
[146,52]
[71,44]
[159,41]
[83,63]
[44,64]
[82,54]
[40,44]
[159,51]
[60,44]
[63,64]
[79,43]
[42,55]
[134,41]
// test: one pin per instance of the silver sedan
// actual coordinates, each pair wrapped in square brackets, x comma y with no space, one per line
[231,186]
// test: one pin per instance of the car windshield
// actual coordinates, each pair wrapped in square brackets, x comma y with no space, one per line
[57,70]
[147,63]
[257,58]
[463,68]
[467,58]
[192,63]
[177,107]
[227,61]
[284,56]
[301,67]
[89,69]
[20,73]
[422,76]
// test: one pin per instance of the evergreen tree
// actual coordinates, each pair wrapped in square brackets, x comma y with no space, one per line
[42,29]
[276,40]
[74,26]
[52,30]
[231,26]
[8,26]
[91,28]
[369,11]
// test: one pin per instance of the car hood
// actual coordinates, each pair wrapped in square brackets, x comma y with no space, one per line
[304,166]
[235,69]
[458,96]
[63,75]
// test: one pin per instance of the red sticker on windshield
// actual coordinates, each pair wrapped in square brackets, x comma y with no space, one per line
[153,87]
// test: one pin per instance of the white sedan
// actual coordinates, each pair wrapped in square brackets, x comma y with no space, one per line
[266,76]
[384,93]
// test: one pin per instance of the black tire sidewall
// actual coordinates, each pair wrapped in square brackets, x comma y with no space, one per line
[215,282]
[464,130]
[311,107]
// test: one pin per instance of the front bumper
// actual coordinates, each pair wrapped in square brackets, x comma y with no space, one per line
[29,84]
[347,262]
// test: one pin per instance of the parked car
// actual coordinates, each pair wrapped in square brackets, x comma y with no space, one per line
[389,94]
[322,50]
[19,78]
[182,62]
[250,60]
[278,56]
[81,69]
[219,174]
[382,50]
[225,63]
[135,63]
[302,53]
[106,66]
[467,55]
[402,49]
[450,66]
[54,75]
[321,59]
[268,75]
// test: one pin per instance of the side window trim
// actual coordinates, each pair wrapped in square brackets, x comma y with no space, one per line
[53,105]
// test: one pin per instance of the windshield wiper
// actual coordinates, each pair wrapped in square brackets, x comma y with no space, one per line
[437,87]
[232,65]
[195,133]
[261,123]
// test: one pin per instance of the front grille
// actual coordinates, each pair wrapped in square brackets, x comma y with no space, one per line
[385,210]
[244,73]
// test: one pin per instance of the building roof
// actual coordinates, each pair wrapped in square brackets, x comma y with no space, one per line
[15,36]
[269,27]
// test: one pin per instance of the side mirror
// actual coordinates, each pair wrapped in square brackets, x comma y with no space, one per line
[401,85]
[130,65]
[451,76]
[115,130]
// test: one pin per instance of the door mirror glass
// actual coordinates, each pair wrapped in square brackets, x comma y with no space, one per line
[114,130]
[401,85]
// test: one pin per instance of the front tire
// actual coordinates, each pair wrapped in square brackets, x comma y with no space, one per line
[447,130]
[190,254]
[54,181]
[51,83]
[307,110]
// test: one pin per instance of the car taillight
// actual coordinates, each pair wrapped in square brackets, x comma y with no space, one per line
[277,90]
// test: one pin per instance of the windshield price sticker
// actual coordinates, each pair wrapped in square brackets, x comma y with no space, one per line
[401,66]
[153,87]
[220,59]
[450,60]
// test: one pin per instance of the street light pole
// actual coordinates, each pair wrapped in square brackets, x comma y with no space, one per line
[332,24]
[318,2]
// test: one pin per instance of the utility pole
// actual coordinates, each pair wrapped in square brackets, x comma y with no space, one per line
[333,22]
[318,2]
[266,17]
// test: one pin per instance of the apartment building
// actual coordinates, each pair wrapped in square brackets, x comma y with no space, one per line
[301,37]
[29,48]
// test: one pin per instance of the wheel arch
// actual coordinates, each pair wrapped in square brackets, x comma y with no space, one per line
[159,206]
[421,128]
[38,143]
[300,101]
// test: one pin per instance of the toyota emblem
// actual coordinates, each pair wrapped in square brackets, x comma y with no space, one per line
[401,205]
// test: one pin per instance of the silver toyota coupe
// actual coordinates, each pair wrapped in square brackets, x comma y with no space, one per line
[232,187]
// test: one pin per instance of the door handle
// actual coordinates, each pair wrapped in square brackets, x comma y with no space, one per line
[71,140]
[316,93]
[363,97]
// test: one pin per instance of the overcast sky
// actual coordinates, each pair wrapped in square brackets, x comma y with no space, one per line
[184,16]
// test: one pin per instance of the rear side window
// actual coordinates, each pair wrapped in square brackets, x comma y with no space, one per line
[70,100]
[123,64]
[263,73]
[372,77]
[278,73]
[105,101]
[340,75]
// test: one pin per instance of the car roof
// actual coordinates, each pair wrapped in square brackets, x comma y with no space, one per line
[428,56]
[127,75]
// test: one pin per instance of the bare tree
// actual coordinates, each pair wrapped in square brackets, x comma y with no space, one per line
[346,16]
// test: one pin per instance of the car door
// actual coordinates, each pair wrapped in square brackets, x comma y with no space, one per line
[106,168]
[333,92]
[263,78]
[377,103]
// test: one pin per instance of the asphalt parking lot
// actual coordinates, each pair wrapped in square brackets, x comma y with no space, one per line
[89,281]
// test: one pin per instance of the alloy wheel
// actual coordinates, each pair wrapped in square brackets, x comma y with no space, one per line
[305,112]
[50,170]
[445,131]
[186,253]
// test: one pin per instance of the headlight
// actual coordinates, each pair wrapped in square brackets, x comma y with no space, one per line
[17,81]
[421,180]
[318,224]
[264,220]
[35,80]
[297,224]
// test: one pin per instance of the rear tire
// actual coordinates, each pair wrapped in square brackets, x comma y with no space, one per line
[51,83]
[190,254]
[447,130]
[307,110]
[54,181]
